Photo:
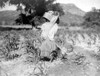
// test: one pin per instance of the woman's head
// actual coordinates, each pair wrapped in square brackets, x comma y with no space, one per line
[52,16]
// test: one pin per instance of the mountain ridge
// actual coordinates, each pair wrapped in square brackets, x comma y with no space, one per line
[73,9]
[73,14]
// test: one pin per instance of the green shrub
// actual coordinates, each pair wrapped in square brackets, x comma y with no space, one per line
[92,18]
[10,44]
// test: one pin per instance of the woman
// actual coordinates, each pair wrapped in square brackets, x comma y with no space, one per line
[50,27]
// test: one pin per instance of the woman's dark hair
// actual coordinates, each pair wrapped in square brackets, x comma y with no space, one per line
[46,20]
[58,21]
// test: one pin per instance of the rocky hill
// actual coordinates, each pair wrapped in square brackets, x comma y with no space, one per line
[71,18]
[73,14]
[73,9]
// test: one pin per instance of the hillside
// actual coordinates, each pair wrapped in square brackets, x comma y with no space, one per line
[8,16]
[71,18]
[73,9]
[73,14]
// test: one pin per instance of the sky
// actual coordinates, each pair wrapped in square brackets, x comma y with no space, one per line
[85,5]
